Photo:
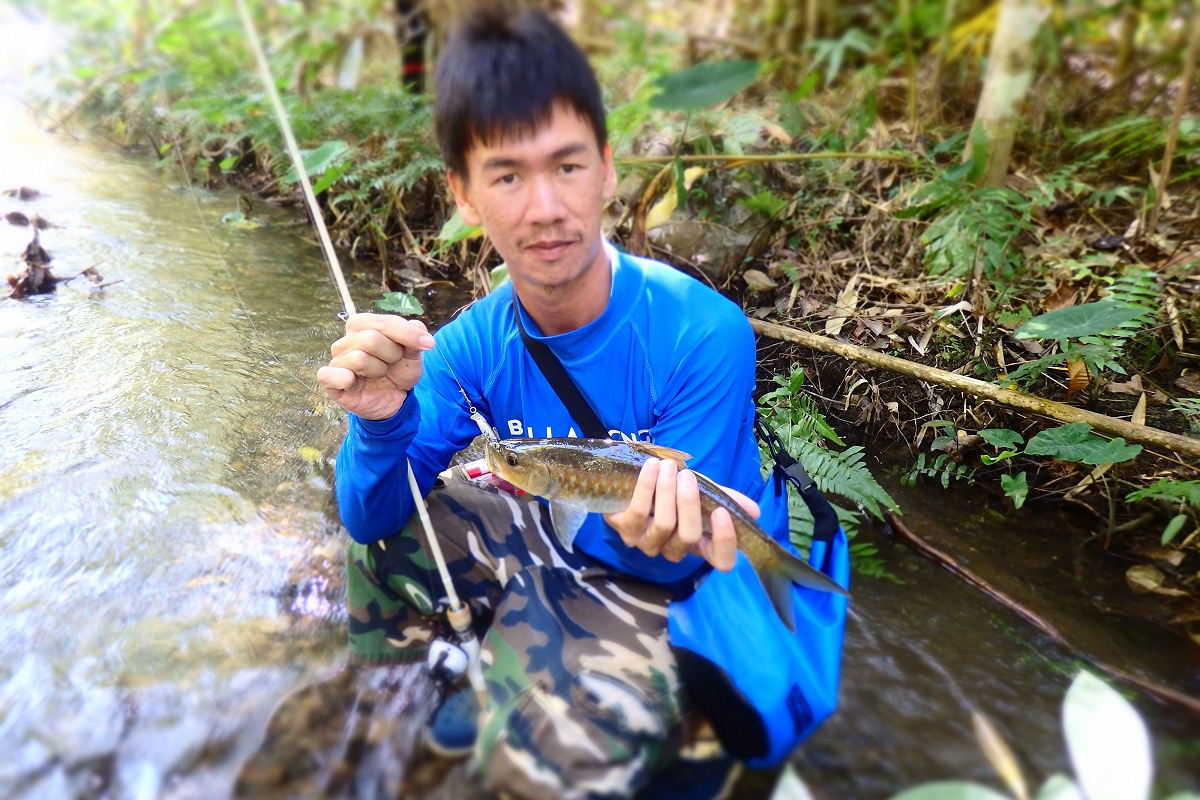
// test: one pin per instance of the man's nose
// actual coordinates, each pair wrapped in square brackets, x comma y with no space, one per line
[545,204]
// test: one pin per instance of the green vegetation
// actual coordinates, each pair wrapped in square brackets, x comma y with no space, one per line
[806,435]
[818,163]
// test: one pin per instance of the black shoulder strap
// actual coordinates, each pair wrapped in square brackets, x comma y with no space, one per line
[556,374]
[825,521]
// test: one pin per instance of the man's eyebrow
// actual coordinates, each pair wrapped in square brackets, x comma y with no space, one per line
[566,151]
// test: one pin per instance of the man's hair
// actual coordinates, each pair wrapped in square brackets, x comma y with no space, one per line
[500,76]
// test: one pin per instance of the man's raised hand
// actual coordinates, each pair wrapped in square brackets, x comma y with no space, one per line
[376,364]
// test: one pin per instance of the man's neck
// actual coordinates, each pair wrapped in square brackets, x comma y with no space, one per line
[562,309]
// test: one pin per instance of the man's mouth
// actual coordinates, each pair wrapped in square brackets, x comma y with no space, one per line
[550,249]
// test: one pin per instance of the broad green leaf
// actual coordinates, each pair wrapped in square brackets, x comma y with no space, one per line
[320,159]
[1001,438]
[704,85]
[329,176]
[950,790]
[1107,740]
[499,276]
[996,459]
[455,230]
[1073,322]
[1184,796]
[1173,527]
[399,302]
[1058,787]
[1076,442]
[1016,487]
[227,163]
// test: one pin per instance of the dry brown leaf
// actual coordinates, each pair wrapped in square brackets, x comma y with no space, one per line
[1062,297]
[1139,411]
[1079,376]
[999,755]
[1176,324]
[1189,382]
[1144,578]
[1166,554]
[846,301]
[1132,386]
[758,281]
[777,133]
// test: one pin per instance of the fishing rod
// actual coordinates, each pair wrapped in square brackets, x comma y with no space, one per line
[459,613]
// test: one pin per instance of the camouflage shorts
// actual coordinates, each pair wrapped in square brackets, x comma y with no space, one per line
[584,694]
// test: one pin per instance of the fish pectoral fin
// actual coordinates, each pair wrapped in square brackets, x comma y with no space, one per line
[568,519]
[667,453]
[779,592]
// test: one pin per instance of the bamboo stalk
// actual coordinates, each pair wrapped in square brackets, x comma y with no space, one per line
[873,156]
[1141,434]
[1181,100]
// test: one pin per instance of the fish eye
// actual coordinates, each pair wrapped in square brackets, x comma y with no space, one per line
[511,459]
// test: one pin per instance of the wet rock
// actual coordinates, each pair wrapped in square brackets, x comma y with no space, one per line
[23,193]
[36,279]
[17,218]
[714,249]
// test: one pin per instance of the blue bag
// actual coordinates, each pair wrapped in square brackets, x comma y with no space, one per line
[763,688]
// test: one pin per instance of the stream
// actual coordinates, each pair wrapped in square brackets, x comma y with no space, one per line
[171,562]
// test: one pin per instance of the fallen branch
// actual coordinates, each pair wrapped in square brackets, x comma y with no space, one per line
[1153,688]
[973,386]
[768,157]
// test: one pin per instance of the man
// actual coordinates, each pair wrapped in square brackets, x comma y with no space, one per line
[584,695]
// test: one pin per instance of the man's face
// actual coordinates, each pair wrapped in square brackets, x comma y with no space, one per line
[540,199]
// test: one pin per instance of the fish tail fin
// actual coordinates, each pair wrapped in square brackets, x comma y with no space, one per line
[803,574]
[779,592]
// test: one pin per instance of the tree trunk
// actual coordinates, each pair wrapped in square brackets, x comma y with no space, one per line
[1010,71]
[1181,100]
[939,65]
[1130,16]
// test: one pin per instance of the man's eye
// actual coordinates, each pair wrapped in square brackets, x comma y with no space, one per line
[569,168]
[508,180]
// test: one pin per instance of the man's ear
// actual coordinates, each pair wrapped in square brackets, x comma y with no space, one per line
[462,198]
[610,176]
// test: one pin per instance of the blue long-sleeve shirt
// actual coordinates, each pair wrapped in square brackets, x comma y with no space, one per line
[669,361]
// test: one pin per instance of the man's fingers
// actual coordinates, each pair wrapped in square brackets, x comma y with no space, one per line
[745,502]
[721,550]
[409,333]
[631,523]
[663,524]
[337,378]
[689,523]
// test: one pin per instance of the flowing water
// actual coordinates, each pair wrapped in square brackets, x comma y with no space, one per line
[170,561]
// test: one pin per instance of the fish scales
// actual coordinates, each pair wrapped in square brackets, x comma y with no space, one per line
[579,476]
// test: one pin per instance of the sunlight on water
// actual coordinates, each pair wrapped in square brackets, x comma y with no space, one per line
[157,525]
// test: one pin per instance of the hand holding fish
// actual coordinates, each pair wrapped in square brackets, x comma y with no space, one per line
[376,364]
[665,517]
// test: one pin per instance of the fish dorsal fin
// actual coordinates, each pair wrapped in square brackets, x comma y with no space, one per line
[568,519]
[667,453]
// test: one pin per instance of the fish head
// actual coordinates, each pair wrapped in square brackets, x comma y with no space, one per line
[520,466]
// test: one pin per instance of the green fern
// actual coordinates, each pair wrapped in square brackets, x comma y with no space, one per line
[1184,495]
[941,468]
[1137,287]
[838,474]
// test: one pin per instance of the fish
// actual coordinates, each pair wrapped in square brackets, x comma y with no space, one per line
[578,476]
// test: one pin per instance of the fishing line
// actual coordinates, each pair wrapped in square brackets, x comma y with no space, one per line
[459,612]
[212,240]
